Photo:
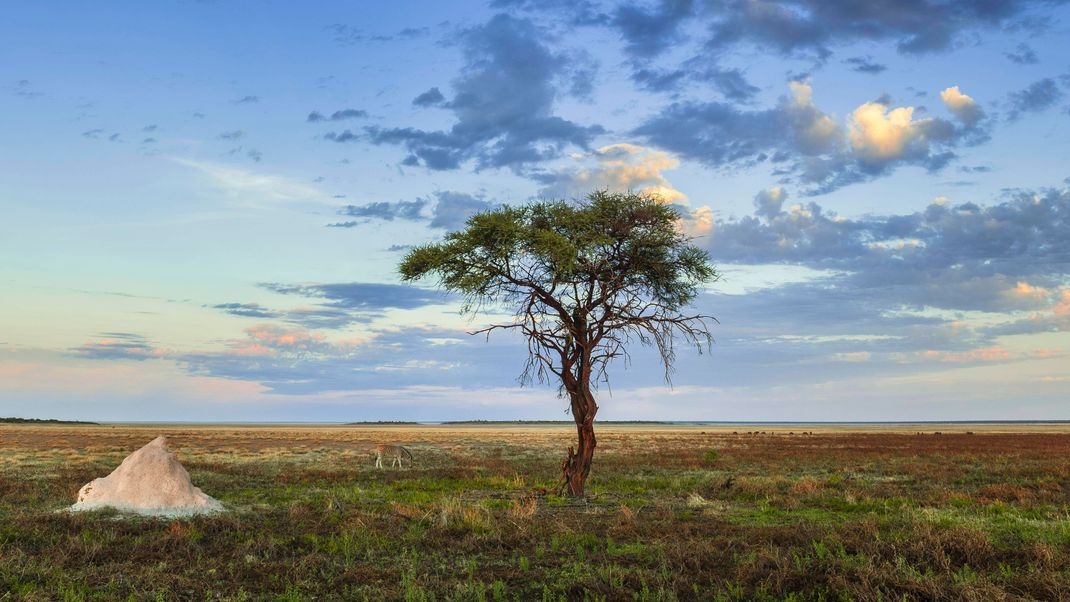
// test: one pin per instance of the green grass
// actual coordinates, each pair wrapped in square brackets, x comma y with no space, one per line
[764,520]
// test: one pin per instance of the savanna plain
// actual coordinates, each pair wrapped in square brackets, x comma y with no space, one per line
[674,513]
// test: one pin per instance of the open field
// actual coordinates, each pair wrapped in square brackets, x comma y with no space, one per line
[702,512]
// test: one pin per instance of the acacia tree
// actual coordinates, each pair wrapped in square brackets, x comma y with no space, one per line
[584,280]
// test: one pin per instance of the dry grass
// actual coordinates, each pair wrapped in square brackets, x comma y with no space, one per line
[776,516]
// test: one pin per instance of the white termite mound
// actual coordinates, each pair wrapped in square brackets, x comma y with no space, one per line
[150,481]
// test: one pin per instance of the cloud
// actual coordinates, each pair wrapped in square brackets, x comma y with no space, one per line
[647,32]
[247,100]
[118,346]
[503,103]
[431,98]
[809,29]
[24,88]
[247,310]
[448,210]
[320,317]
[879,136]
[232,135]
[617,167]
[454,208]
[768,203]
[271,338]
[336,305]
[730,82]
[410,210]
[964,108]
[1027,295]
[1022,55]
[347,35]
[883,296]
[298,361]
[343,136]
[864,64]
[1036,97]
[253,186]
[340,115]
[362,296]
[998,258]
[817,25]
[802,142]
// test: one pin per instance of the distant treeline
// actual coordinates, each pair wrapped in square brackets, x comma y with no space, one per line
[12,420]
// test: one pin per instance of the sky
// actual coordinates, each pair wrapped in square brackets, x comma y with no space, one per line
[204,203]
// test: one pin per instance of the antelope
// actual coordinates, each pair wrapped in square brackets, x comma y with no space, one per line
[395,452]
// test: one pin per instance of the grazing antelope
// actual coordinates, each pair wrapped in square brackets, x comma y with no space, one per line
[395,452]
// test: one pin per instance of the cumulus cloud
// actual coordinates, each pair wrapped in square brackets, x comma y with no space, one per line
[880,136]
[805,143]
[1003,257]
[814,131]
[503,103]
[617,167]
[962,106]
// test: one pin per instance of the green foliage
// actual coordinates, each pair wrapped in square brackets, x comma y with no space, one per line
[631,237]
[710,456]
[583,279]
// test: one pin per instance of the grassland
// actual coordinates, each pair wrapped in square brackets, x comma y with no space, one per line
[677,513]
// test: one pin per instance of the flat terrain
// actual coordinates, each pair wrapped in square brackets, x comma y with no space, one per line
[749,512]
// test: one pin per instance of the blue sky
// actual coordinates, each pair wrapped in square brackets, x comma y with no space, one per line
[205,202]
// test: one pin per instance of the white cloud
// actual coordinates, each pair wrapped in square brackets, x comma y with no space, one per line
[878,135]
[618,168]
[815,131]
[961,106]
[252,188]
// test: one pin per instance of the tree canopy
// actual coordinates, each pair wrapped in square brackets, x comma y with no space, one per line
[583,280]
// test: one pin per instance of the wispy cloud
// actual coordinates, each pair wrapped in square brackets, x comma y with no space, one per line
[250,187]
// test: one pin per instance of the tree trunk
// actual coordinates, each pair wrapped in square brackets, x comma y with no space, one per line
[577,465]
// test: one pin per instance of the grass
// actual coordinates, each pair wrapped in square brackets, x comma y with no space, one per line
[827,516]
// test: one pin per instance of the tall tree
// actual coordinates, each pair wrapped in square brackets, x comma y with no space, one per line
[584,281]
